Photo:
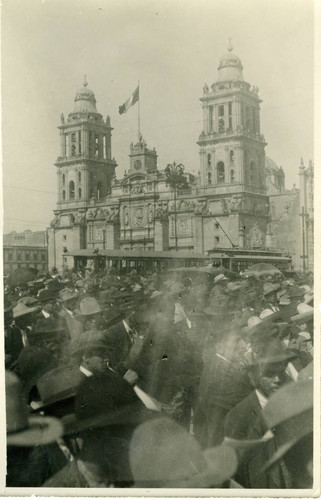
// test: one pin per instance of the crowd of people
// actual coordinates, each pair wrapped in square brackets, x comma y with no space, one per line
[190,380]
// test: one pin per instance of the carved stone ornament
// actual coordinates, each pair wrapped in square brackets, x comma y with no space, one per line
[201,207]
[137,189]
[161,210]
[255,237]
[112,214]
[138,216]
[80,217]
[234,204]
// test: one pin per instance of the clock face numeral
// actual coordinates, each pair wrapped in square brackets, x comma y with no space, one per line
[137,164]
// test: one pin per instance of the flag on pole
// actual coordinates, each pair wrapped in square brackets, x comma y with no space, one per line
[130,102]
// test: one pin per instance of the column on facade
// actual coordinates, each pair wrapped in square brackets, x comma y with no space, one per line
[161,236]
[62,143]
[203,166]
[206,117]
[198,234]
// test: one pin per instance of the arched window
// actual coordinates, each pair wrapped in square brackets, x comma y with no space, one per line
[63,179]
[79,193]
[79,176]
[98,190]
[232,156]
[71,190]
[220,173]
[221,125]
[64,195]
[209,178]
[209,159]
[232,176]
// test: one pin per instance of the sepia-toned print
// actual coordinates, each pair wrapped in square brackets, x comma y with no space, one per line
[158,248]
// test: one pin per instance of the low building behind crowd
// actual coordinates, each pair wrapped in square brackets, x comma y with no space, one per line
[25,250]
[237,200]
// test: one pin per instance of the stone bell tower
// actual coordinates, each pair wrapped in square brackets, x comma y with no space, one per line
[85,166]
[85,169]
[232,159]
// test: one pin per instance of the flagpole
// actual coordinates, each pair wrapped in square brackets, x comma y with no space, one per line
[138,111]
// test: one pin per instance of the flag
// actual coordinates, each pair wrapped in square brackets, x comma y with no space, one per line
[130,102]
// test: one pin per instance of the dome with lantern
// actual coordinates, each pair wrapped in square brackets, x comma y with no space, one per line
[85,101]
[230,67]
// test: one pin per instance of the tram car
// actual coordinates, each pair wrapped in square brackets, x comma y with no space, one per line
[146,262]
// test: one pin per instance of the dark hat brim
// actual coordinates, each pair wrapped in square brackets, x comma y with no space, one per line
[41,431]
[133,414]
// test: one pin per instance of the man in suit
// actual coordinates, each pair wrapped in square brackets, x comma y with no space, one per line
[245,421]
[223,384]
[68,300]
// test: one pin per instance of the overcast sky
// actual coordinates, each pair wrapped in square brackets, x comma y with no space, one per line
[173,47]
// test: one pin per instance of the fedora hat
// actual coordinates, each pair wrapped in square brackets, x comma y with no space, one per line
[105,400]
[274,351]
[32,363]
[48,326]
[269,287]
[305,313]
[22,429]
[66,294]
[88,306]
[251,324]
[163,454]
[90,339]
[289,414]
[58,385]
[295,291]
[21,310]
[220,277]
[47,294]
[29,301]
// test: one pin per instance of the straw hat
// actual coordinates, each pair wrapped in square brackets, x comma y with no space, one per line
[21,310]
[66,294]
[23,430]
[269,287]
[163,454]
[305,313]
[88,306]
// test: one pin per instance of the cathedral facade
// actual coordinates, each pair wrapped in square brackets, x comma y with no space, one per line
[225,206]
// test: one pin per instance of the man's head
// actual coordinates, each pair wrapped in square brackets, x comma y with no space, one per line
[95,359]
[271,376]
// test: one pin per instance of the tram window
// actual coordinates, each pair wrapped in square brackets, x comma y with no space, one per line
[123,263]
[132,263]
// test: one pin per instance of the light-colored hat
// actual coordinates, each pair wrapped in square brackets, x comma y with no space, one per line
[265,313]
[251,323]
[21,310]
[219,277]
[23,430]
[66,294]
[163,454]
[270,288]
[88,306]
[305,313]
